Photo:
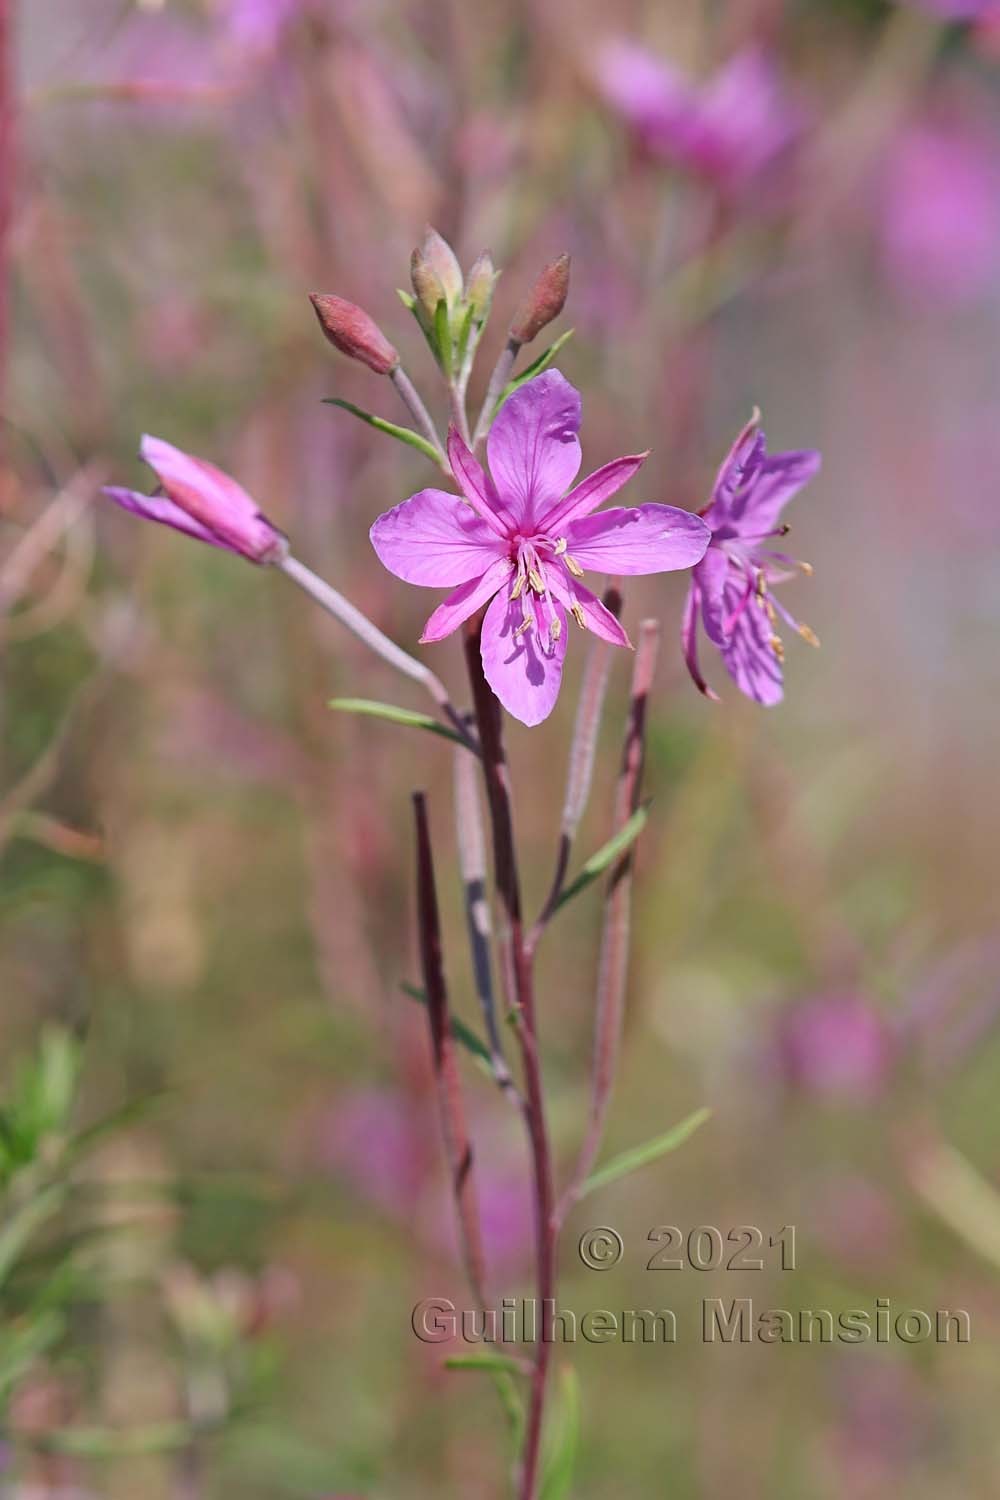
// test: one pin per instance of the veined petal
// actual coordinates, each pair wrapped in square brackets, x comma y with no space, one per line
[738,463]
[592,491]
[465,600]
[436,540]
[475,484]
[749,655]
[524,671]
[646,539]
[779,477]
[534,447]
[597,617]
[159,508]
[710,576]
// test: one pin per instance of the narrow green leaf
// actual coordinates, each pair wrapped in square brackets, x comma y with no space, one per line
[404,434]
[408,301]
[442,337]
[484,1362]
[107,1442]
[23,1224]
[407,716]
[641,1156]
[21,1346]
[606,855]
[563,1438]
[463,1034]
[536,367]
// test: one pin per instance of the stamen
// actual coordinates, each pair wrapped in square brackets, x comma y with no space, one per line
[573,566]
[555,629]
[535,579]
[560,546]
[778,647]
[809,635]
[526,624]
[577,614]
[515,592]
[807,568]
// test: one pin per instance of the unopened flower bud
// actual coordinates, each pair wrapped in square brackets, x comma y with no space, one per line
[354,333]
[544,303]
[440,259]
[479,284]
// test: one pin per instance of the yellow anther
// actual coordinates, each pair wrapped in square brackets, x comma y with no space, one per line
[577,614]
[778,647]
[526,624]
[807,569]
[574,566]
[560,547]
[809,635]
[535,579]
[761,584]
[555,630]
[769,609]
[515,592]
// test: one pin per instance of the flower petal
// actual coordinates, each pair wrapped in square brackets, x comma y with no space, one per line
[593,491]
[524,670]
[779,477]
[159,508]
[435,539]
[646,539]
[569,591]
[711,576]
[476,486]
[749,656]
[689,641]
[465,600]
[533,446]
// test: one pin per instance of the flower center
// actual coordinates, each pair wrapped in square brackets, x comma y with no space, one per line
[531,585]
[761,567]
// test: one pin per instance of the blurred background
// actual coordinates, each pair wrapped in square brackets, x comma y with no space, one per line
[205,903]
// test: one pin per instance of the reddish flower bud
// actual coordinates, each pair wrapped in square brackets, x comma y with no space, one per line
[544,303]
[354,333]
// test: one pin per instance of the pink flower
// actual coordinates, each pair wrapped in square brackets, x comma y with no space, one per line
[731,588]
[516,538]
[939,211]
[836,1046]
[202,501]
[728,129]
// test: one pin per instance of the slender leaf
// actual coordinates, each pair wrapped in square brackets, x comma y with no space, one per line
[404,434]
[535,368]
[563,1438]
[606,855]
[23,1224]
[22,1345]
[641,1156]
[463,1034]
[130,1442]
[407,716]
[484,1362]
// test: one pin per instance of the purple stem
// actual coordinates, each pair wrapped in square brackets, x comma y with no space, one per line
[517,970]
[613,968]
[458,1147]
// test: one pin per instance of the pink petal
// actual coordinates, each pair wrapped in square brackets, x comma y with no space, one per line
[435,539]
[749,656]
[779,477]
[599,619]
[524,676]
[689,642]
[533,446]
[476,486]
[159,508]
[593,491]
[711,576]
[214,500]
[465,600]
[646,539]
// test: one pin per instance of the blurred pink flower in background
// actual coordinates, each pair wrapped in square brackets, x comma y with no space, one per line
[940,211]
[255,26]
[368,1136]
[727,129]
[835,1046]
